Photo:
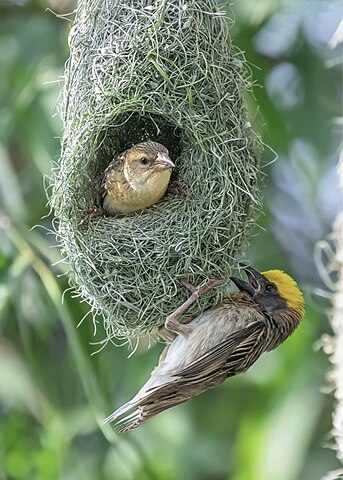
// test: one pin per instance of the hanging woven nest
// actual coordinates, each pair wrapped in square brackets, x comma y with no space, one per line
[163,71]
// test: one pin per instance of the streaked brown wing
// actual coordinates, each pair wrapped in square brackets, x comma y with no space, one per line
[116,166]
[230,357]
[234,355]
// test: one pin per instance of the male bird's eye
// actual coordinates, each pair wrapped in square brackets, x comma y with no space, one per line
[270,287]
[144,161]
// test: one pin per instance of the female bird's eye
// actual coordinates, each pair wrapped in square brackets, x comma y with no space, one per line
[144,161]
[270,287]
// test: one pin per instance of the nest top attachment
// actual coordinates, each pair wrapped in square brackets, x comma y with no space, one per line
[163,71]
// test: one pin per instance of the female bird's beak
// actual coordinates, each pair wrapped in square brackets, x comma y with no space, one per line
[255,280]
[163,162]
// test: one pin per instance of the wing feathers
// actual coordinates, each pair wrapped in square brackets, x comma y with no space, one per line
[234,355]
[230,353]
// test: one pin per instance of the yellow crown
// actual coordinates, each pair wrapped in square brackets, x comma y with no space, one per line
[288,289]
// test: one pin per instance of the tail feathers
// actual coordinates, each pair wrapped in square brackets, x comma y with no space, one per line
[153,384]
[133,420]
[155,397]
[141,414]
[119,412]
[145,408]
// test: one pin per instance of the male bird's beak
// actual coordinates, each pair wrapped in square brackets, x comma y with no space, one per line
[255,280]
[163,162]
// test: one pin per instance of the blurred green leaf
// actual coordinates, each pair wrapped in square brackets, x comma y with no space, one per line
[11,197]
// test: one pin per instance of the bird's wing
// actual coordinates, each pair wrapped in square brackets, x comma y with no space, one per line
[233,355]
[230,357]
[115,168]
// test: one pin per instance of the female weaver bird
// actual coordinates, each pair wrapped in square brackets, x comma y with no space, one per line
[134,180]
[220,343]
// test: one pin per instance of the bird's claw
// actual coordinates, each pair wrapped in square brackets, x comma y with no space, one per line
[187,285]
[177,188]
[167,335]
[198,291]
[93,212]
[173,325]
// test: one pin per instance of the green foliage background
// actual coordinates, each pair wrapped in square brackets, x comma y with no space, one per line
[271,423]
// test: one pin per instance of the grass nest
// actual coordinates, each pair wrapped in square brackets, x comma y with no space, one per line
[164,71]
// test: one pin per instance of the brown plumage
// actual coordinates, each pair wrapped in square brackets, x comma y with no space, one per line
[136,179]
[220,343]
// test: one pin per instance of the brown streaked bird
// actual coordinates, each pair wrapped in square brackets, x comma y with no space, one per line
[220,343]
[136,179]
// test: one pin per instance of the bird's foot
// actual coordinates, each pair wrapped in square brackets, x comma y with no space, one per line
[172,324]
[167,335]
[199,291]
[90,213]
[177,188]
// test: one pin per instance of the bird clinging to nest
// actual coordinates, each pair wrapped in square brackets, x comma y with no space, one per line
[220,343]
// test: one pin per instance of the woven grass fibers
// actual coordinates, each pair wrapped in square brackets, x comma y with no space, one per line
[162,71]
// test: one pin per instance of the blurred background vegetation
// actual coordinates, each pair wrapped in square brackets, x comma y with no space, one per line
[271,423]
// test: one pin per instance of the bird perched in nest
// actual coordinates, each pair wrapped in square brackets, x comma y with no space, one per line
[220,343]
[135,179]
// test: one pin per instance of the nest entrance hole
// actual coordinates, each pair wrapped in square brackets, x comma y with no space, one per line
[132,128]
